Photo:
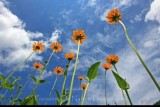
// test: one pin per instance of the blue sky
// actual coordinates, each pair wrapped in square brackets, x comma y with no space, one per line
[23,22]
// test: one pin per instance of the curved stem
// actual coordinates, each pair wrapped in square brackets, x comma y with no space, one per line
[125,102]
[128,97]
[138,55]
[73,75]
[52,87]
[105,86]
[65,77]
[84,96]
[19,65]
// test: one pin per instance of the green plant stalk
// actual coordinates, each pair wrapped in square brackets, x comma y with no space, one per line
[5,92]
[52,87]
[39,78]
[19,65]
[81,91]
[84,96]
[125,102]
[128,97]
[65,77]
[23,88]
[73,75]
[138,55]
[105,86]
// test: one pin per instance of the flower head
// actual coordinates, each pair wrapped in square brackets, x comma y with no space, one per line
[38,65]
[56,47]
[106,66]
[69,56]
[58,70]
[38,47]
[112,59]
[83,86]
[114,16]
[80,77]
[78,35]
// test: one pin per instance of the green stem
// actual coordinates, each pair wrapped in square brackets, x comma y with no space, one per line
[19,65]
[73,75]
[5,92]
[84,96]
[65,77]
[128,97]
[52,87]
[81,90]
[105,86]
[125,102]
[138,55]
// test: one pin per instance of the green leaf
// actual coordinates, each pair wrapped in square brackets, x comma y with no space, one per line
[42,81]
[65,102]
[57,101]
[8,86]
[57,93]
[15,81]
[30,100]
[65,73]
[2,78]
[92,72]
[121,82]
[33,78]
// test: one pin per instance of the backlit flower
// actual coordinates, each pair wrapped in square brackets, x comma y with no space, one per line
[56,47]
[58,70]
[114,16]
[69,56]
[38,65]
[80,77]
[106,66]
[112,59]
[78,35]
[38,47]
[84,86]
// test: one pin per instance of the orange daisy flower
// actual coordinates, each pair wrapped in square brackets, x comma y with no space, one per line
[38,65]
[114,16]
[83,86]
[106,66]
[58,70]
[56,47]
[38,47]
[112,59]
[78,35]
[69,56]
[80,77]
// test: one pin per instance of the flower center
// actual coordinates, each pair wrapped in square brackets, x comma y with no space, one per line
[58,72]
[37,47]
[56,47]
[37,66]
[79,37]
[115,18]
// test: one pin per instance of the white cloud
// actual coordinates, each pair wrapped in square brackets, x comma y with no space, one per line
[153,13]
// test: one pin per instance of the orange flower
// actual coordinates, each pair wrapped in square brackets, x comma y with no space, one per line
[112,59]
[69,56]
[38,65]
[106,66]
[83,86]
[114,16]
[78,35]
[56,47]
[58,70]
[80,77]
[38,47]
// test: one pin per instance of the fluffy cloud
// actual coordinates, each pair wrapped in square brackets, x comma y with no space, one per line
[153,13]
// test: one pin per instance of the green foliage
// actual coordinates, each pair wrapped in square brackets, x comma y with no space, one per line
[33,78]
[92,72]
[61,99]
[29,100]
[121,82]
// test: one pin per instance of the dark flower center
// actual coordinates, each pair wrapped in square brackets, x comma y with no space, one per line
[115,18]
[79,37]
[37,47]
[55,47]
[37,66]
[58,71]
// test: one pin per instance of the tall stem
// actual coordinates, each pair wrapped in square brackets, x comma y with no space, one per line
[84,95]
[19,65]
[52,87]
[65,77]
[128,97]
[105,86]
[138,55]
[73,75]
[125,102]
